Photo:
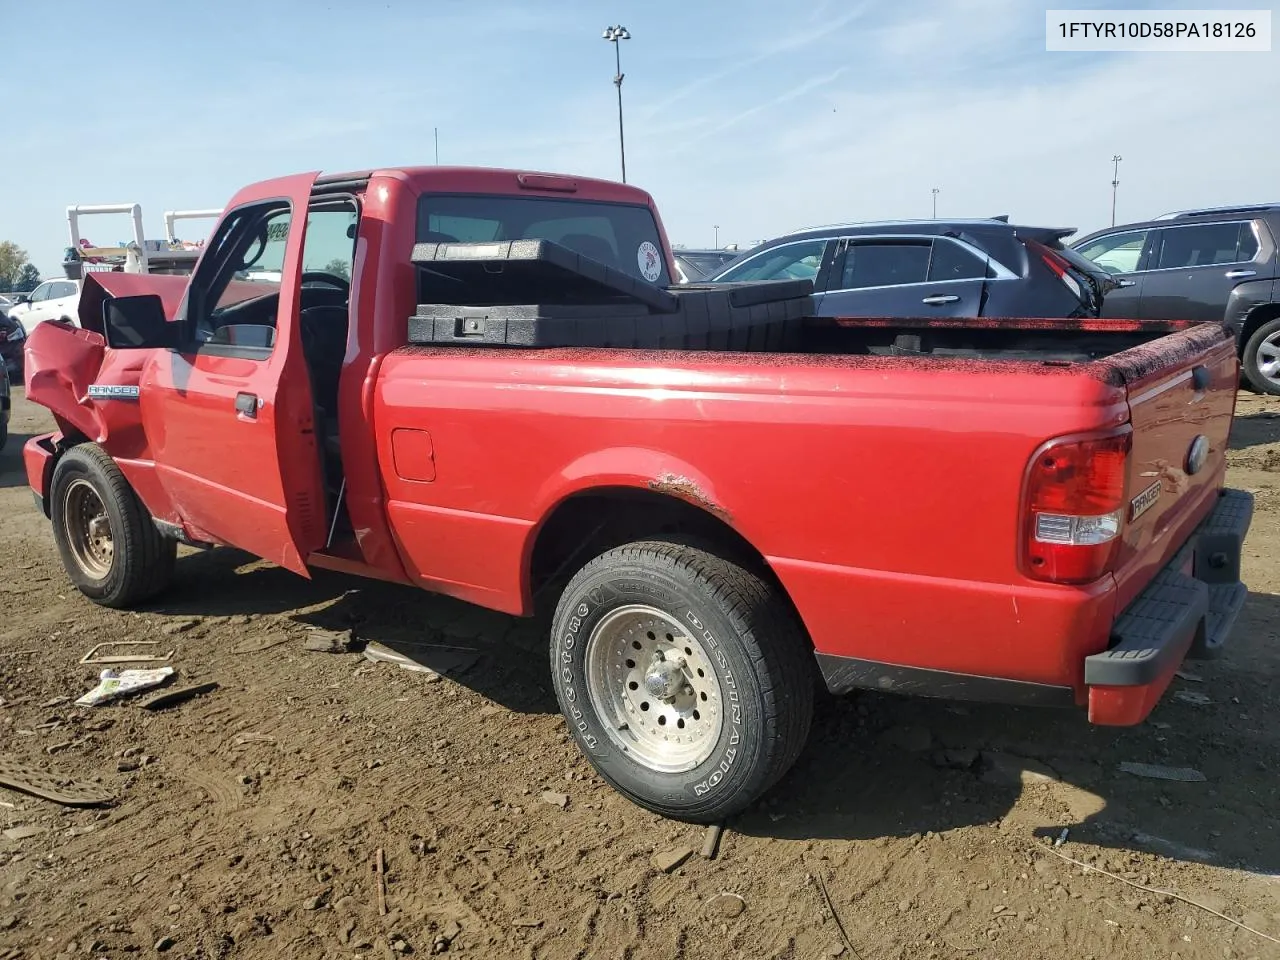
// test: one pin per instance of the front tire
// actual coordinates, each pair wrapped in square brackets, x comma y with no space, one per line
[684,677]
[1261,359]
[109,546]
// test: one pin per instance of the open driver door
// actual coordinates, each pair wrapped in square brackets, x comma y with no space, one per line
[226,402]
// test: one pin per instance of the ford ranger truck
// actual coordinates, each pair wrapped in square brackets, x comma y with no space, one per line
[1025,511]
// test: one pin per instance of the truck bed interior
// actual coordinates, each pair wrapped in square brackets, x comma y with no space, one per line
[1050,341]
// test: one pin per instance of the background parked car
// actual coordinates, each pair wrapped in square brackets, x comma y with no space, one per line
[12,340]
[5,406]
[700,264]
[52,300]
[1211,264]
[944,268]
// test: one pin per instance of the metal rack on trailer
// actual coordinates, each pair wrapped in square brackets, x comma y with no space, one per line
[139,255]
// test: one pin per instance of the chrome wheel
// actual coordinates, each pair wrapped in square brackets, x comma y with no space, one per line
[1268,358]
[655,688]
[88,529]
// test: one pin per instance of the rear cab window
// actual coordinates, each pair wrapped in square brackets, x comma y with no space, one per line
[619,235]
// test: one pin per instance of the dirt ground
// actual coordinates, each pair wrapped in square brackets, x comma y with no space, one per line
[246,821]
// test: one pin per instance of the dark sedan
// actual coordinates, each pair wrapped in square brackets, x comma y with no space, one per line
[12,339]
[944,268]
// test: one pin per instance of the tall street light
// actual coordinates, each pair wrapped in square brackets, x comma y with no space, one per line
[1115,182]
[717,230]
[934,191]
[614,35]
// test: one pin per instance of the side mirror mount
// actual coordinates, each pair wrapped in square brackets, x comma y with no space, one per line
[137,323]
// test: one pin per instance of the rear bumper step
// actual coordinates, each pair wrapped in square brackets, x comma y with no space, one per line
[1188,609]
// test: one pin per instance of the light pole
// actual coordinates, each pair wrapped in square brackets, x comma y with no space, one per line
[614,35]
[1115,182]
[934,191]
[717,229]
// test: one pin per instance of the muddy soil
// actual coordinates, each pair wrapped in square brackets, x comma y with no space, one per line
[246,822]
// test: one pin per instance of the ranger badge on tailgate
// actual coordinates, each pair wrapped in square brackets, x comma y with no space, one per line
[1144,501]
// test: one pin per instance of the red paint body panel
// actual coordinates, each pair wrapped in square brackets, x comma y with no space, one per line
[885,492]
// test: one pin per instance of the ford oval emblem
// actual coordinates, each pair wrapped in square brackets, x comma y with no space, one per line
[1198,455]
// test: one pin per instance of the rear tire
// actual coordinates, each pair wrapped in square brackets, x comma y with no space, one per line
[1261,359]
[109,545]
[685,678]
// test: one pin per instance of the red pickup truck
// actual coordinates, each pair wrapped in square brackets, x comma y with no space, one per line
[1023,511]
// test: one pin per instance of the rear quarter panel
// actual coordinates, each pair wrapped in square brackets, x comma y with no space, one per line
[884,494]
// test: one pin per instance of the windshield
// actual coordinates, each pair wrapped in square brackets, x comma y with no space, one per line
[622,236]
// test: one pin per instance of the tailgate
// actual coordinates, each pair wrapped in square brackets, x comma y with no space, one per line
[1181,393]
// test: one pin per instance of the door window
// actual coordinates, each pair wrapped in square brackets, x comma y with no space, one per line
[883,264]
[1116,252]
[790,261]
[63,288]
[950,261]
[41,292]
[1207,244]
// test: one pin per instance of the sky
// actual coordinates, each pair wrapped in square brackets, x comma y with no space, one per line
[759,117]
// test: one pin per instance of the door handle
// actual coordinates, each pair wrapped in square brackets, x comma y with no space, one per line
[1126,283]
[247,404]
[939,299]
[1237,274]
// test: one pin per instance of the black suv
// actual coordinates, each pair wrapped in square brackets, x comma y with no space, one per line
[1215,264]
[943,268]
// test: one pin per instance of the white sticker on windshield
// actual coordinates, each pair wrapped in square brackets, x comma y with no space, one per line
[650,261]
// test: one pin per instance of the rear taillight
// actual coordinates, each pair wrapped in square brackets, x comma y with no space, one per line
[1061,268]
[1074,508]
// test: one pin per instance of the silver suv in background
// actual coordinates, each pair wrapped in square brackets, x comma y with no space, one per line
[1210,264]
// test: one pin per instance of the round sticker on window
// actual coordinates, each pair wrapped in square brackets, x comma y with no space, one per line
[650,261]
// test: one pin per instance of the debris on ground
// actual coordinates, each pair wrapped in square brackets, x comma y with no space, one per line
[57,788]
[670,860]
[1194,697]
[23,833]
[727,905]
[382,654]
[257,646]
[178,695]
[114,684]
[380,868]
[530,923]
[93,656]
[1155,771]
[711,841]
[328,641]
[174,627]
[1188,676]
[560,800]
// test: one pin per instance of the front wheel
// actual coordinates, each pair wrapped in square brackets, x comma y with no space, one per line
[109,546]
[1261,359]
[685,678]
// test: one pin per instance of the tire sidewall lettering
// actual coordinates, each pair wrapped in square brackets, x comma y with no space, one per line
[575,620]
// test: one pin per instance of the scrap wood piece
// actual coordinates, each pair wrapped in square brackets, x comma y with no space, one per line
[178,695]
[92,657]
[711,842]
[271,640]
[380,867]
[63,790]
[1090,868]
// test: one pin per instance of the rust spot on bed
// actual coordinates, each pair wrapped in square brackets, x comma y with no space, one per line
[686,489]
